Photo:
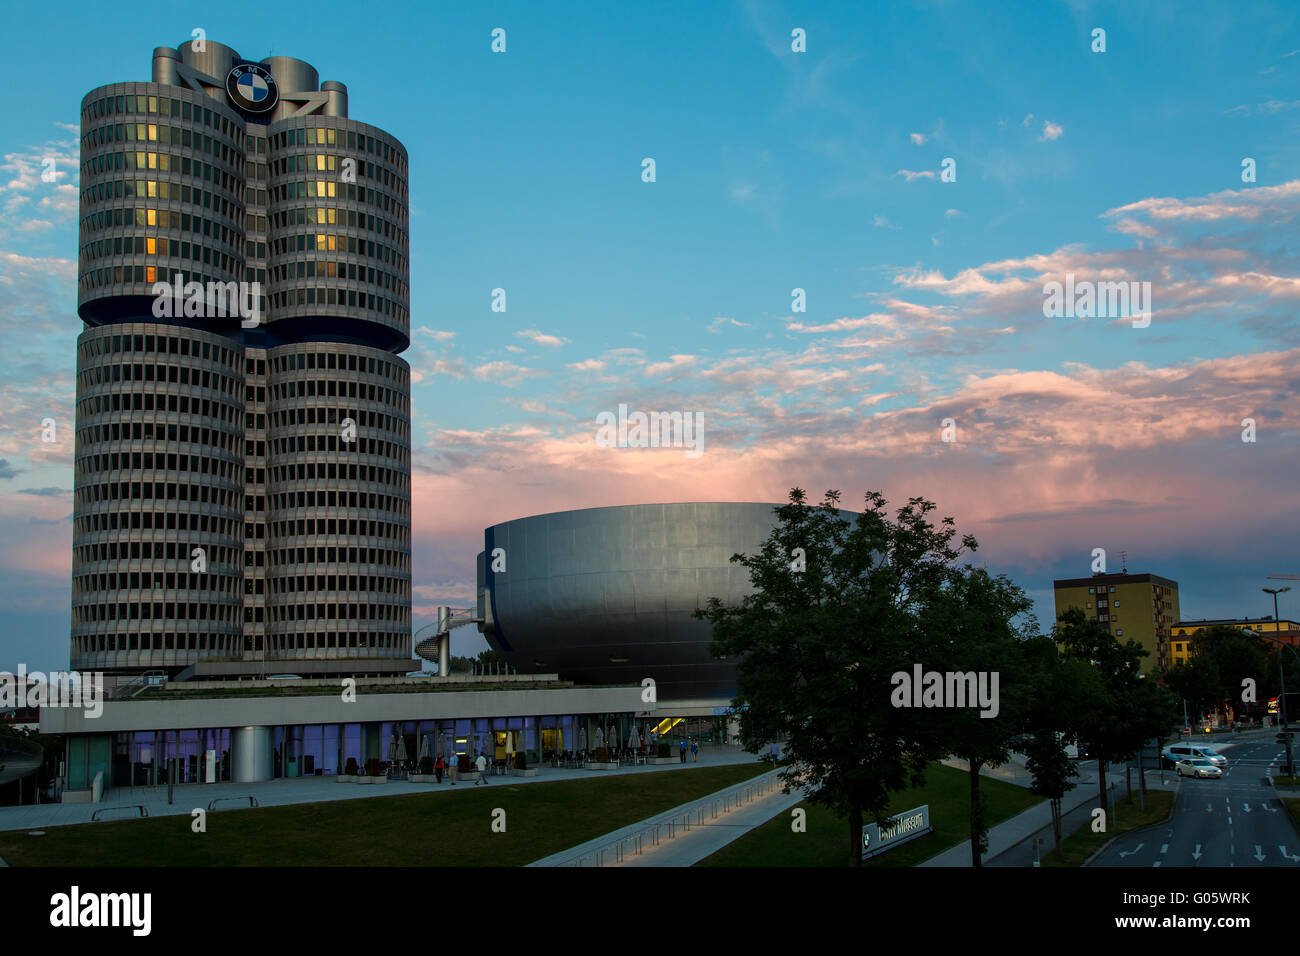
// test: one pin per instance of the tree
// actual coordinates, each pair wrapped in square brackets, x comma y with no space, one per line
[980,619]
[1131,708]
[1196,681]
[1063,691]
[835,613]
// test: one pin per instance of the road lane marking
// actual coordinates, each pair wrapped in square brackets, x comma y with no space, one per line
[1132,851]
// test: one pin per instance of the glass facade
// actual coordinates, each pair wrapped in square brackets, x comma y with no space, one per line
[141,758]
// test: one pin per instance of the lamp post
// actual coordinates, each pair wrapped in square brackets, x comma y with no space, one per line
[1290,762]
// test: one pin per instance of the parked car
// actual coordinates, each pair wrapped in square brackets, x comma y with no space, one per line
[1197,767]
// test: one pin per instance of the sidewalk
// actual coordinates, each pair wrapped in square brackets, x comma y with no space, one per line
[1016,833]
[687,847]
[283,792]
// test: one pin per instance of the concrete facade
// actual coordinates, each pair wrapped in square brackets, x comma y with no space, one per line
[242,483]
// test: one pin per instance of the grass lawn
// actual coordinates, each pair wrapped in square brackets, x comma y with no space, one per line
[826,842]
[1293,808]
[1124,816]
[451,828]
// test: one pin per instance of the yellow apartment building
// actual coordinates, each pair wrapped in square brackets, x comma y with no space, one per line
[1134,607]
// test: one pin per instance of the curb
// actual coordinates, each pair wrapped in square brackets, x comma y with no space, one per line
[1150,826]
[1284,808]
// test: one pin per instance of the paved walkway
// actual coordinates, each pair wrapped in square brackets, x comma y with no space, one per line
[687,847]
[1014,835]
[284,792]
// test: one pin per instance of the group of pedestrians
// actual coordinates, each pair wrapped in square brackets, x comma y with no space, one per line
[695,749]
[451,768]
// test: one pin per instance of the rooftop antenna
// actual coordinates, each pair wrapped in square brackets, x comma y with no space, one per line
[1123,562]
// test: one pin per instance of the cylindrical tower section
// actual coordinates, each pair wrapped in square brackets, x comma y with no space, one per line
[337,104]
[165,61]
[158,497]
[162,174]
[338,502]
[215,59]
[339,262]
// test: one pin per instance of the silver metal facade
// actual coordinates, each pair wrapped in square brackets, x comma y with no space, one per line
[197,432]
[607,595]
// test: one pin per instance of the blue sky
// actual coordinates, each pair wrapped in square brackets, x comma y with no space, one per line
[775,170]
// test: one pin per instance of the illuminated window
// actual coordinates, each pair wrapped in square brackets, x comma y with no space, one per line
[150,273]
[151,246]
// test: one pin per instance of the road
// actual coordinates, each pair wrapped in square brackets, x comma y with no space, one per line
[1236,820]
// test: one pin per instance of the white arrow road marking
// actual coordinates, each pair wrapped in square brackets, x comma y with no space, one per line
[1285,855]
[1259,853]
[1164,847]
[1132,851]
[1246,807]
[1270,808]
[1196,854]
[1209,808]
[1156,863]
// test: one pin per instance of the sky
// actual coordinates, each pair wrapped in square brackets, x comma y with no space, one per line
[921,171]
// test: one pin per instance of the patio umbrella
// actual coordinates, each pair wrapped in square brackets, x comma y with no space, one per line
[633,739]
[402,755]
[582,739]
[613,737]
[392,749]
[424,749]
[600,738]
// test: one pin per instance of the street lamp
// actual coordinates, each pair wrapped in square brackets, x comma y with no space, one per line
[1290,763]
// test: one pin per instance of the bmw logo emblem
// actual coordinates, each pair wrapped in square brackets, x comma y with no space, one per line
[251,88]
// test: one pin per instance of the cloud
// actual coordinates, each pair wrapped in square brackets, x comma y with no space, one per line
[541,338]
[716,325]
[675,364]
[911,174]
[1051,131]
[917,139]
[505,373]
[7,470]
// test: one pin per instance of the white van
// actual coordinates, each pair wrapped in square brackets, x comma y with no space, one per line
[1192,751]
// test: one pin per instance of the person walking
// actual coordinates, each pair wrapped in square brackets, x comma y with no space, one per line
[681,746]
[453,767]
[438,767]
[695,750]
[481,764]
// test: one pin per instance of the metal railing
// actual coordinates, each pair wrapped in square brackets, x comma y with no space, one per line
[668,828]
[252,801]
[144,812]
